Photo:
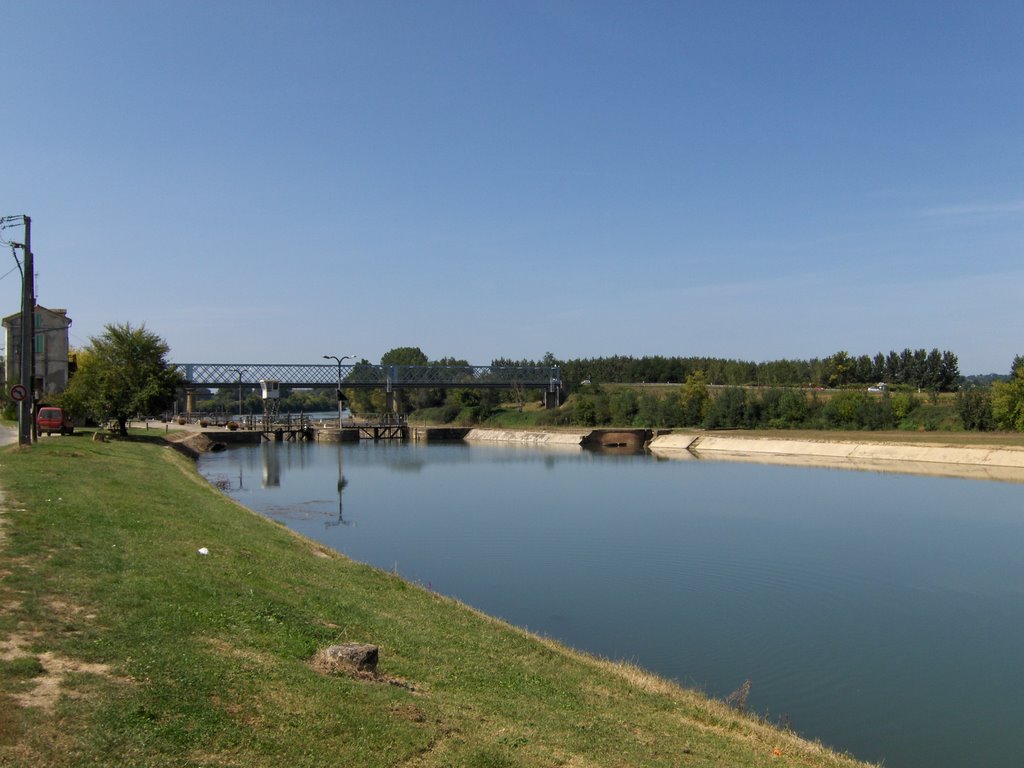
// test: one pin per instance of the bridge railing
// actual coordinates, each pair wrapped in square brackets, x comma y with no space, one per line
[364,376]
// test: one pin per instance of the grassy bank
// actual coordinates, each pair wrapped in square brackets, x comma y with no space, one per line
[121,645]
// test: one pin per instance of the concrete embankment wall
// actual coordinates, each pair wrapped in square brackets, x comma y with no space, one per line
[941,454]
[677,441]
[919,458]
[522,436]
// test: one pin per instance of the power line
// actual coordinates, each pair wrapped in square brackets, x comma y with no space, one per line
[16,267]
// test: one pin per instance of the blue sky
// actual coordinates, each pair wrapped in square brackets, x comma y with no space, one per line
[276,181]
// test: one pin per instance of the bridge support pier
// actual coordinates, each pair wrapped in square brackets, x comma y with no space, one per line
[551,400]
[190,401]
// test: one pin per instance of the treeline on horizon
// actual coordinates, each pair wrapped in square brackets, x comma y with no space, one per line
[932,371]
[779,394]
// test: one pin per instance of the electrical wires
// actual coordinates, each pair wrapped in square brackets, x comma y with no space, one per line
[9,222]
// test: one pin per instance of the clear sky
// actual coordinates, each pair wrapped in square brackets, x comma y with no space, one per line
[274,181]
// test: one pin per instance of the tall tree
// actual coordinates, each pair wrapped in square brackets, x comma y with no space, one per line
[404,356]
[123,374]
[695,399]
[406,400]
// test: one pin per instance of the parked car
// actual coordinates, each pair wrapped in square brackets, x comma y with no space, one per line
[51,419]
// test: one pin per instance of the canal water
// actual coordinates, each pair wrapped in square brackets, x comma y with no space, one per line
[880,613]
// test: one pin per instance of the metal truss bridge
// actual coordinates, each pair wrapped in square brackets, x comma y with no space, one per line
[359,376]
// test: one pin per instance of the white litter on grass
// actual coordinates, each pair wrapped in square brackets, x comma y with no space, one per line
[204,551]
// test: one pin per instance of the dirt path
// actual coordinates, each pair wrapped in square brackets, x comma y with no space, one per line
[8,435]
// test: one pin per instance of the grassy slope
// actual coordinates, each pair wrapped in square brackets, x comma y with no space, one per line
[207,659]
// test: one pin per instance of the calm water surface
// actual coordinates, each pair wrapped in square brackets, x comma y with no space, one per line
[882,614]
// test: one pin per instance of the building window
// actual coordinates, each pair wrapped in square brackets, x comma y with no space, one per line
[39,343]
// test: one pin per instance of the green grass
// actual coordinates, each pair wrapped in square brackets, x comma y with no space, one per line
[165,657]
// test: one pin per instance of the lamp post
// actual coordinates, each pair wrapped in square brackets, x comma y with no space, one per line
[240,371]
[339,359]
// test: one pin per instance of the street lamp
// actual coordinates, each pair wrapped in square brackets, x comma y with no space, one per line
[240,371]
[339,359]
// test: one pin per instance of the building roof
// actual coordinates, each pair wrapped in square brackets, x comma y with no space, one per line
[15,319]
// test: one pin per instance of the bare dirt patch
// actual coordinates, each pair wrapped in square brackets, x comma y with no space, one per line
[69,613]
[49,686]
[14,647]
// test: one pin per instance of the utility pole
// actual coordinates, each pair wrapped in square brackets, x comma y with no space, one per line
[26,410]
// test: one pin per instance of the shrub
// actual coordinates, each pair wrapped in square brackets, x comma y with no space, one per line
[974,408]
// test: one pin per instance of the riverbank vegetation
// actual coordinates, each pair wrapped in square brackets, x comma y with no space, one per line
[148,620]
[224,401]
[694,405]
[911,391]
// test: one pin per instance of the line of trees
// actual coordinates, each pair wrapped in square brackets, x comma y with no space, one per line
[124,373]
[375,400]
[731,407]
[293,400]
[920,369]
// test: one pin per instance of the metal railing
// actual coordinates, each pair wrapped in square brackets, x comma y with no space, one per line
[366,376]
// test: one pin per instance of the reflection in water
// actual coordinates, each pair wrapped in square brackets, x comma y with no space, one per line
[270,456]
[271,464]
[342,482]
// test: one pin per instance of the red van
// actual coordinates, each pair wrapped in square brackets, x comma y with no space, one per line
[51,419]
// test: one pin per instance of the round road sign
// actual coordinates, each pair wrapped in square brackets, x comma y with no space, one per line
[19,392]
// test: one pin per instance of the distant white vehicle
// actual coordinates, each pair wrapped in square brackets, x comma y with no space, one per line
[879,387]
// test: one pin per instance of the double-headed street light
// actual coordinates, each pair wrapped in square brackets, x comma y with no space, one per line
[339,360]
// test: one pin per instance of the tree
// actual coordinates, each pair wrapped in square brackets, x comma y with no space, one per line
[1017,365]
[123,373]
[404,356]
[695,399]
[1008,399]
[974,407]
[839,368]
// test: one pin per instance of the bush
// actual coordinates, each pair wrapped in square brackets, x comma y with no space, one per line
[728,410]
[584,411]
[449,412]
[623,406]
[974,408]
[1008,401]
